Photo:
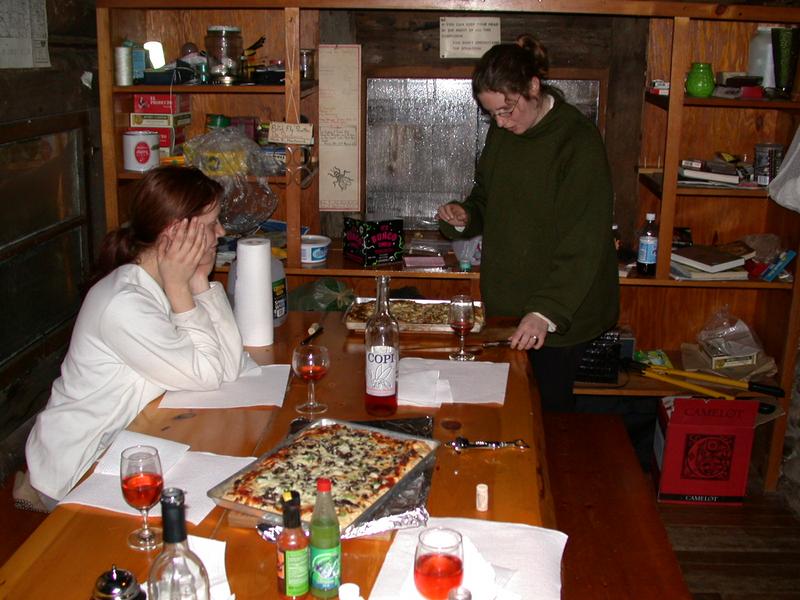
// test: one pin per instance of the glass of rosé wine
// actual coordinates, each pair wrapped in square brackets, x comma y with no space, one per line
[438,562]
[142,482]
[310,363]
[461,317]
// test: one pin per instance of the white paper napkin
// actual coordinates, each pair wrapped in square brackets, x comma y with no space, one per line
[265,387]
[212,554]
[169,452]
[417,388]
[525,560]
[468,382]
[195,474]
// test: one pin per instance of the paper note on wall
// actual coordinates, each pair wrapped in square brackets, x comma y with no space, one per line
[467,37]
[340,127]
[23,34]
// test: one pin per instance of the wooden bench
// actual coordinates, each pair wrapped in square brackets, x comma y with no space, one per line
[618,547]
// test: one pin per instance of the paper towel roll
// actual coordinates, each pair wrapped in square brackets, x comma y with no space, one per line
[253,292]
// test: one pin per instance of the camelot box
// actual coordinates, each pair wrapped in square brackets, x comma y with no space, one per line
[164,104]
[373,242]
[702,449]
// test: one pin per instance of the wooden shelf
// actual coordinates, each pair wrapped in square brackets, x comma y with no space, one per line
[757,103]
[134,175]
[306,89]
[655,183]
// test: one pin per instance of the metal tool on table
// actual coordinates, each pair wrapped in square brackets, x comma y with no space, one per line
[669,375]
[313,331]
[462,443]
[475,349]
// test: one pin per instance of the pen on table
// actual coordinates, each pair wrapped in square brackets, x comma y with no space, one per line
[313,332]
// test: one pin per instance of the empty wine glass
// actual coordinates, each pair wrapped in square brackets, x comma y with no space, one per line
[142,482]
[438,562]
[461,317]
[310,363]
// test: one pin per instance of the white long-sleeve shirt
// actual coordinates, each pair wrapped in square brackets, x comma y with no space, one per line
[127,348]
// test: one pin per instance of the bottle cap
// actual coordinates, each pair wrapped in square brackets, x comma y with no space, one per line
[290,501]
[459,593]
[465,265]
[323,484]
[349,591]
[117,584]
[482,497]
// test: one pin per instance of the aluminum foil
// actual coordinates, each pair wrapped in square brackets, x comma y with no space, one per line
[406,507]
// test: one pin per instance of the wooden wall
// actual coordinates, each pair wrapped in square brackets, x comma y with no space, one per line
[410,39]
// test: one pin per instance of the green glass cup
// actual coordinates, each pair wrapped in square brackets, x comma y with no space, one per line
[700,80]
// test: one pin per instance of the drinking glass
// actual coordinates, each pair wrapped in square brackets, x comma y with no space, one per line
[142,482]
[310,363]
[438,562]
[461,318]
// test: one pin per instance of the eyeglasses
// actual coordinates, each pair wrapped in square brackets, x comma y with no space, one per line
[504,113]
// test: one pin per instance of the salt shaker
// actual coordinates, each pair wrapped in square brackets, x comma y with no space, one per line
[117,584]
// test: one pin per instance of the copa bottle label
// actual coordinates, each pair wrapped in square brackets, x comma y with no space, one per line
[381,370]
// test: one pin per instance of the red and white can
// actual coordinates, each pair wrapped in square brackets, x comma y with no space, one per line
[140,150]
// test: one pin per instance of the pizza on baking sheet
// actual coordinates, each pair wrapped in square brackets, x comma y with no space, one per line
[363,465]
[408,311]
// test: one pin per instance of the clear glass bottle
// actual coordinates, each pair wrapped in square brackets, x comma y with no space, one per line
[648,247]
[177,573]
[382,344]
[326,546]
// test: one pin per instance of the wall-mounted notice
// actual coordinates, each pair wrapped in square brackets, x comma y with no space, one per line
[291,133]
[23,34]
[467,37]
[340,127]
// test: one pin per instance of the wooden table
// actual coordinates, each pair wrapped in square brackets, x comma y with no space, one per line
[76,543]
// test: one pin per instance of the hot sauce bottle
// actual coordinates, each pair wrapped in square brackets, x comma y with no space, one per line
[293,553]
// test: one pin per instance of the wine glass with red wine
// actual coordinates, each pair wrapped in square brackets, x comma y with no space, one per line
[142,482]
[310,363]
[438,562]
[461,317]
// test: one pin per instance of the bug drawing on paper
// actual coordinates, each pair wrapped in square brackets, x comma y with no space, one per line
[340,177]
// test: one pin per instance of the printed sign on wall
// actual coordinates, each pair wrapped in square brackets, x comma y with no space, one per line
[467,37]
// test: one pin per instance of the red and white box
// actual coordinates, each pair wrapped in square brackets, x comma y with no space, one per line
[169,138]
[702,449]
[161,104]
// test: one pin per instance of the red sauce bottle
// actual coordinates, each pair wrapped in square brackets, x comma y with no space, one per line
[293,551]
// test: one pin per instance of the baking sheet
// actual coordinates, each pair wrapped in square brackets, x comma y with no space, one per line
[354,325]
[410,478]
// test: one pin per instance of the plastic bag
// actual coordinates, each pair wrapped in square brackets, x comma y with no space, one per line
[785,187]
[468,251]
[325,293]
[727,335]
[230,157]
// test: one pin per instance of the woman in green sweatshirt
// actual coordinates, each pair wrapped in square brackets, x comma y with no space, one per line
[543,201]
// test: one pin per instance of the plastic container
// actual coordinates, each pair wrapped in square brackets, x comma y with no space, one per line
[760,62]
[326,548]
[648,247]
[224,48]
[314,248]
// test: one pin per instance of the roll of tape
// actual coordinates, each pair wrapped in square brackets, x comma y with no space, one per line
[123,65]
[140,150]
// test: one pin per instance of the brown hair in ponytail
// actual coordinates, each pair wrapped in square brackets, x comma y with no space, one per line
[164,195]
[509,68]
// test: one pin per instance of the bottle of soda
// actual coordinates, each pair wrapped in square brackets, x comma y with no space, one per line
[326,549]
[382,343]
[292,551]
[648,247]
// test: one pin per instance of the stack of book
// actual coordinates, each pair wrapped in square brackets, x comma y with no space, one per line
[715,172]
[719,263]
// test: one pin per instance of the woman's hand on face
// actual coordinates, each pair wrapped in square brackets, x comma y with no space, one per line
[180,249]
[453,214]
[530,333]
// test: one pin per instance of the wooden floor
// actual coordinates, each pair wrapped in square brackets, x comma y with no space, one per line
[726,553]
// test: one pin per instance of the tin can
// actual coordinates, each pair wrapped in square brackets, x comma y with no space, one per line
[140,150]
[767,161]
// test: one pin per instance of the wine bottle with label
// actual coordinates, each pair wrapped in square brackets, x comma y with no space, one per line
[382,344]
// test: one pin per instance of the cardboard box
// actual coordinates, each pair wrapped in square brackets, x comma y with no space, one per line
[702,449]
[162,104]
[373,242]
[169,138]
[160,120]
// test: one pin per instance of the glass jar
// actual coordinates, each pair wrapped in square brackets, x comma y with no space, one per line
[307,63]
[224,47]
[700,81]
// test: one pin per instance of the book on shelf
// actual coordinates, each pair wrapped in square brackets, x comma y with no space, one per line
[737,248]
[706,258]
[708,176]
[686,273]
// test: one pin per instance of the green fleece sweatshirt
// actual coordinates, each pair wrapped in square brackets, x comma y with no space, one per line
[543,202]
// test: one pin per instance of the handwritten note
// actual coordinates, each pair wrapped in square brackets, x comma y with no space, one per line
[340,127]
[291,133]
[467,37]
[23,34]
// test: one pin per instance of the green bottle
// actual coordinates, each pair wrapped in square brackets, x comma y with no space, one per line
[326,548]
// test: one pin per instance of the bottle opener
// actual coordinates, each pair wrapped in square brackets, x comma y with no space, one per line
[462,443]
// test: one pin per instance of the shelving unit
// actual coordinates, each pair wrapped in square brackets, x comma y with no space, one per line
[662,312]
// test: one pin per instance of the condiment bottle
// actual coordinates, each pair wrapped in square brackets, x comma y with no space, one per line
[176,563]
[292,550]
[382,343]
[648,247]
[326,548]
